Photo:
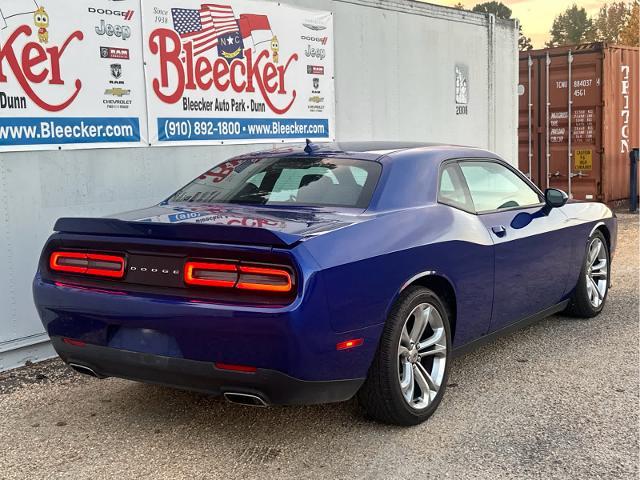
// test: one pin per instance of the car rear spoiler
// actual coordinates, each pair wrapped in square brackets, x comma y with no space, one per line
[183,231]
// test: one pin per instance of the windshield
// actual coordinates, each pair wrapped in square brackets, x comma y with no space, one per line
[286,181]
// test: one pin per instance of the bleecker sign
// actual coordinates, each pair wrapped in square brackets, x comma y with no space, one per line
[57,72]
[32,65]
[237,71]
[583,159]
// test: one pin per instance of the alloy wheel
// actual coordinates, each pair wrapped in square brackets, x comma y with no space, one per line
[422,356]
[597,272]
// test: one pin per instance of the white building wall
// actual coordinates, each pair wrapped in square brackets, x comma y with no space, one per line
[395,80]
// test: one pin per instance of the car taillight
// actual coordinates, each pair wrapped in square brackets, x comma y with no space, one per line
[265,279]
[243,277]
[87,264]
[211,274]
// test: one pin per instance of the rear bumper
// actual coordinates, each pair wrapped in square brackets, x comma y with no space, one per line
[297,340]
[271,386]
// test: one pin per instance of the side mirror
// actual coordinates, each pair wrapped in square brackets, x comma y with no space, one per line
[555,198]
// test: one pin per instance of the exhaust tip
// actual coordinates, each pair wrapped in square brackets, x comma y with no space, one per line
[84,370]
[245,399]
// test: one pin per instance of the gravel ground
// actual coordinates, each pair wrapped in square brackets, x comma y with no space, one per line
[557,400]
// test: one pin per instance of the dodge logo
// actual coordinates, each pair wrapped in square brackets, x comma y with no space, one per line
[163,271]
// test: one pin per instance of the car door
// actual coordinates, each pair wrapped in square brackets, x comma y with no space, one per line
[471,262]
[531,250]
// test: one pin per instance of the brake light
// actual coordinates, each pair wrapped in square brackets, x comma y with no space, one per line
[87,264]
[242,277]
[211,274]
[265,279]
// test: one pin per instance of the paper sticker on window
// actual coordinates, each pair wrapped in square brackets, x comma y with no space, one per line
[583,159]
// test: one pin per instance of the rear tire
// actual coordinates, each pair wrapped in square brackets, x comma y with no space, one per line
[409,373]
[590,293]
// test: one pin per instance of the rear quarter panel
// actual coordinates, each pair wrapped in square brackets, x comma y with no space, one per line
[365,266]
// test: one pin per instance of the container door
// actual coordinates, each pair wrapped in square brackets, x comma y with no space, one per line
[621,91]
[571,103]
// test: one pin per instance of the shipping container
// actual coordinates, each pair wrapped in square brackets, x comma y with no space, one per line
[579,114]
[397,66]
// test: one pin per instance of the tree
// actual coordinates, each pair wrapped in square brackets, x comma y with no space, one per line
[610,21]
[524,42]
[571,27]
[500,10]
[630,34]
[459,6]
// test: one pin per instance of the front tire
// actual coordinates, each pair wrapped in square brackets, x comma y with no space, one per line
[590,293]
[409,373]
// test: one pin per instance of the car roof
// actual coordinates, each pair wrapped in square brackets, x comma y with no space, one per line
[381,151]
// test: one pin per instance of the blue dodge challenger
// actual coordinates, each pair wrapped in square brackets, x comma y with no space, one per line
[302,276]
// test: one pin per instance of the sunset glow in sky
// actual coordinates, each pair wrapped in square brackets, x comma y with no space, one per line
[536,16]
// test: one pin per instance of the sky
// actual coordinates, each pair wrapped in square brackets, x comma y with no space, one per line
[536,16]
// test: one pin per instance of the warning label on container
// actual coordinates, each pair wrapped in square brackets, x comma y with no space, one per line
[583,159]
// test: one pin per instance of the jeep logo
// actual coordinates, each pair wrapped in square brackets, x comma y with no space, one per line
[120,31]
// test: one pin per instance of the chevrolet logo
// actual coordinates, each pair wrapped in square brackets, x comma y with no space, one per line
[117,92]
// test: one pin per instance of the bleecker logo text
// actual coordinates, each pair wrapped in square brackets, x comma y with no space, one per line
[36,65]
[180,71]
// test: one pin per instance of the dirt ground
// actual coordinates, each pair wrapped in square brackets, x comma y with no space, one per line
[556,400]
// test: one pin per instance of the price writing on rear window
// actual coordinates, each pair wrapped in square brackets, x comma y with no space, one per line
[221,172]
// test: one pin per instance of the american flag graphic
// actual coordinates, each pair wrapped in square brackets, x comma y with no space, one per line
[203,27]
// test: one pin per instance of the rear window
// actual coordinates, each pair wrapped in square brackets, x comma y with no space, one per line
[286,181]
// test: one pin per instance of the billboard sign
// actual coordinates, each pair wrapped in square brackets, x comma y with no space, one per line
[71,75]
[237,72]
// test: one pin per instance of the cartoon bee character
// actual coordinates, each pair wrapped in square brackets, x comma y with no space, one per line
[41,20]
[275,48]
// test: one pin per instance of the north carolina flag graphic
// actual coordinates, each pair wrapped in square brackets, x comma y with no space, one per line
[255,28]
[215,26]
[230,43]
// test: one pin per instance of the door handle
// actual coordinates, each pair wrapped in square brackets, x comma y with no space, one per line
[499,230]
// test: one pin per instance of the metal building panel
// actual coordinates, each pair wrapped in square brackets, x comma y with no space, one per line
[395,79]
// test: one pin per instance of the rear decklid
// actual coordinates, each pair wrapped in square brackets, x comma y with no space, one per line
[236,224]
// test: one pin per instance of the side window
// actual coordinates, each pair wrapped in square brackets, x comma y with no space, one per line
[452,190]
[493,186]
